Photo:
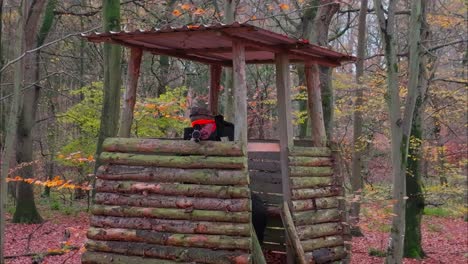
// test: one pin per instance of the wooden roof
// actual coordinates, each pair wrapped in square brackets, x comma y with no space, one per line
[213,44]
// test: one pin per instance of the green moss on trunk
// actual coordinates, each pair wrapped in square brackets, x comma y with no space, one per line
[415,202]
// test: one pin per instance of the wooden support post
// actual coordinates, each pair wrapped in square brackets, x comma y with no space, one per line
[314,105]
[285,124]
[257,253]
[292,234]
[215,81]
[285,120]
[126,118]
[240,93]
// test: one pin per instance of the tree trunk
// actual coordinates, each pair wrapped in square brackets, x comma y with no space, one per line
[133,73]
[112,77]
[43,32]
[8,151]
[325,13]
[400,125]
[415,193]
[358,142]
[415,203]
[26,211]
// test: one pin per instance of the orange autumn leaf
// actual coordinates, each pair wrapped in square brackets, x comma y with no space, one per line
[284,6]
[176,12]
[185,6]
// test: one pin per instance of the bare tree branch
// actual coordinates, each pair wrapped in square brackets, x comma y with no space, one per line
[8,64]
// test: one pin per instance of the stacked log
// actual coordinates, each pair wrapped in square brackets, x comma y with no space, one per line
[316,198]
[170,201]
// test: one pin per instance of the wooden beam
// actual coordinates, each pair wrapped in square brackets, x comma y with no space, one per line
[314,105]
[291,233]
[285,119]
[215,84]
[285,129]
[171,53]
[126,118]
[240,93]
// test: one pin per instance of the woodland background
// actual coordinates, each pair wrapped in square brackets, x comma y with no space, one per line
[62,96]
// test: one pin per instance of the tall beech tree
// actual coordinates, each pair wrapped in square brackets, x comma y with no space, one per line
[112,76]
[415,203]
[11,126]
[356,170]
[400,125]
[26,211]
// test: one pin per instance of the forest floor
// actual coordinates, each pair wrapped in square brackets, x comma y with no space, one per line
[445,239]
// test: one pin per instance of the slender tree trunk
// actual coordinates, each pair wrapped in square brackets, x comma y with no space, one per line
[400,125]
[415,203]
[3,91]
[314,27]
[8,150]
[358,143]
[112,77]
[26,211]
[327,10]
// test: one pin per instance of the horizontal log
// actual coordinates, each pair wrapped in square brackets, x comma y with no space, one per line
[90,257]
[150,145]
[158,174]
[315,203]
[328,255]
[309,161]
[181,202]
[172,226]
[301,171]
[316,217]
[194,190]
[301,194]
[198,255]
[310,182]
[322,242]
[167,213]
[183,162]
[310,151]
[319,230]
[170,239]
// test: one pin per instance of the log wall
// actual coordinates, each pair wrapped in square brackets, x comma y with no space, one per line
[317,211]
[171,201]
[316,199]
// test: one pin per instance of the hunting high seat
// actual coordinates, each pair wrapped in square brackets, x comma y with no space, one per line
[175,201]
